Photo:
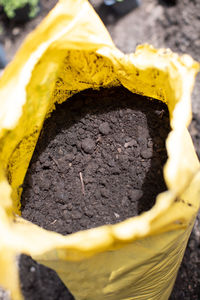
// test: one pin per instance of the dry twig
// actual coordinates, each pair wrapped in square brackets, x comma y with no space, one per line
[82,183]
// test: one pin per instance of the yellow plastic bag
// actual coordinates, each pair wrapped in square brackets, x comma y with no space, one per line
[138,258]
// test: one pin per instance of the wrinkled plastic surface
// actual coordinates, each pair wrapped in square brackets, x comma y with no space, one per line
[139,258]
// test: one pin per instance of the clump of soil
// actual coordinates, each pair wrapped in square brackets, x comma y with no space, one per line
[98,161]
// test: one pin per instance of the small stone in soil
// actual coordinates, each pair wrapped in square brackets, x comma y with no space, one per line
[88,145]
[104,128]
[131,143]
[135,195]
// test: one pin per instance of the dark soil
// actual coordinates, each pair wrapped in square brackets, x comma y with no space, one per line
[98,161]
[41,283]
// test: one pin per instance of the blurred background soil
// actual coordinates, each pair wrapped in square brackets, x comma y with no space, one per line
[164,24]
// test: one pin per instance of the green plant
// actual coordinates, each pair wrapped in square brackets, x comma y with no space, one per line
[11,5]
